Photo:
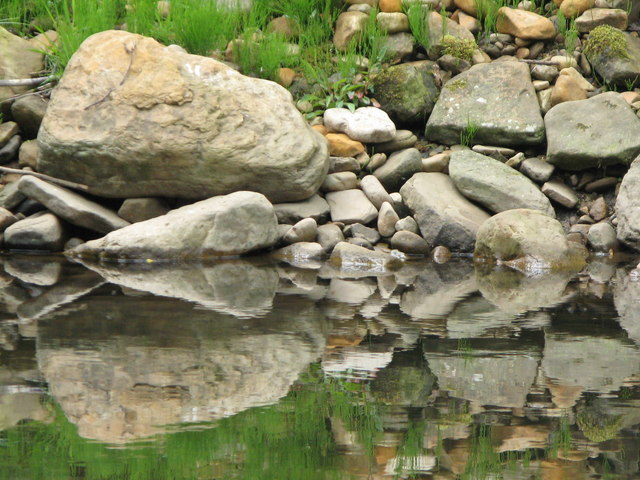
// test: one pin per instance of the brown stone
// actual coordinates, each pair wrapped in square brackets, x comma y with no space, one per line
[28,154]
[286,76]
[17,60]
[595,17]
[340,145]
[348,25]
[390,5]
[524,24]
[321,129]
[567,89]
[573,8]
[467,6]
[599,210]
[285,26]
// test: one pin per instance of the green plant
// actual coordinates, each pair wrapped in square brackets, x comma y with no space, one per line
[418,16]
[571,37]
[343,93]
[605,39]
[458,47]
[468,133]
[262,55]
[630,83]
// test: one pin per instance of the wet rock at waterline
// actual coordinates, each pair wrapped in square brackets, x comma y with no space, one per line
[528,241]
[444,216]
[494,185]
[224,225]
[600,131]
[70,206]
[41,231]
[132,118]
[494,103]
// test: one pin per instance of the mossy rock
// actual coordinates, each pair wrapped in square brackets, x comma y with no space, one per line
[407,92]
[615,56]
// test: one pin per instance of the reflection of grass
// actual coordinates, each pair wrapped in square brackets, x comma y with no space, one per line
[483,461]
[411,448]
[561,438]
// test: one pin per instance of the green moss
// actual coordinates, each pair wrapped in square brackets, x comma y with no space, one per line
[606,39]
[456,84]
[597,427]
[458,47]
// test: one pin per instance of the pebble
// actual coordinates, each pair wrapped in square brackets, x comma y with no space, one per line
[602,237]
[560,193]
[436,163]
[304,231]
[7,131]
[351,206]
[387,220]
[601,185]
[407,223]
[598,210]
[335,182]
[441,254]
[343,164]
[376,161]
[401,140]
[357,230]
[536,169]
[366,124]
[329,235]
[375,191]
[409,242]
[340,145]
[499,153]
[10,150]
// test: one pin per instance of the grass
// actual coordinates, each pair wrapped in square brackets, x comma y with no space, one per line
[468,133]
[418,17]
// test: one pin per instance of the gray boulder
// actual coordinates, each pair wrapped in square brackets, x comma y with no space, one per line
[398,168]
[70,206]
[494,185]
[225,225]
[176,125]
[528,241]
[444,216]
[602,130]
[627,207]
[619,70]
[497,99]
[407,92]
[41,231]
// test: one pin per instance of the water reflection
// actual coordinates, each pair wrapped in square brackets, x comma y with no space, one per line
[249,369]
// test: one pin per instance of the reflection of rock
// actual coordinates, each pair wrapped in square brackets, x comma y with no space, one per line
[519,437]
[237,287]
[626,297]
[596,364]
[405,381]
[474,316]
[514,292]
[121,368]
[34,269]
[16,407]
[487,372]
[438,289]
[361,361]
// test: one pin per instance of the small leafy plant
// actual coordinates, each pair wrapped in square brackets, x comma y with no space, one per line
[342,93]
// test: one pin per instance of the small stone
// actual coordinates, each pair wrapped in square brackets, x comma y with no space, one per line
[336,182]
[347,256]
[599,210]
[366,124]
[10,196]
[577,237]
[315,207]
[387,219]
[547,73]
[6,218]
[340,145]
[376,161]
[375,191]
[299,252]
[631,98]
[329,236]
[580,228]
[524,24]
[393,22]
[361,242]
[452,64]
[409,242]
[536,169]
[304,231]
[573,8]
[586,219]
[42,231]
[399,168]
[575,74]
[407,224]
[436,163]
[7,131]
[10,150]
[402,139]
[348,25]
[602,237]
[285,26]
[140,209]
[540,85]
[441,254]
[343,164]
[499,153]
[357,230]
[564,61]
[595,17]
[286,76]
[73,242]
[28,112]
[560,193]
[567,89]
[601,185]
[351,206]
[515,161]
[390,5]
[28,154]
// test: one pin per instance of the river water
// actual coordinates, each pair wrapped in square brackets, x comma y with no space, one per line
[247,369]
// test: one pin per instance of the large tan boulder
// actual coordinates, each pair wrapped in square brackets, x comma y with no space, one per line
[18,59]
[524,24]
[133,118]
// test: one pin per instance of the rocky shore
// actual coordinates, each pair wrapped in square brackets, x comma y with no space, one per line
[524,153]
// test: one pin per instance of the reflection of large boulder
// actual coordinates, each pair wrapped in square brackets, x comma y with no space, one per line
[224,225]
[438,289]
[237,287]
[596,364]
[626,297]
[133,118]
[485,373]
[514,292]
[121,368]
[405,381]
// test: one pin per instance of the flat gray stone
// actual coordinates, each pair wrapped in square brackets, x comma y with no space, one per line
[140,209]
[70,206]
[560,193]
[224,225]
[329,236]
[399,167]
[498,98]
[351,206]
[599,131]
[343,164]
[10,196]
[315,207]
[335,182]
[375,191]
[444,216]
[536,169]
[42,231]
[357,230]
[409,242]
[494,185]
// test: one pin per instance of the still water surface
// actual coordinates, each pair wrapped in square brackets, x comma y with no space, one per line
[250,370]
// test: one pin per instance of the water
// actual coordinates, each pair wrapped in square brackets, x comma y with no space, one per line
[250,370]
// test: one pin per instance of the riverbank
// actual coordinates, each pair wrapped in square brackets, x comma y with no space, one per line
[466,123]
